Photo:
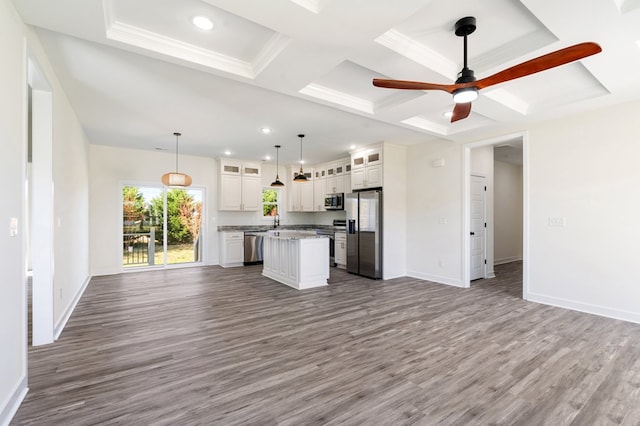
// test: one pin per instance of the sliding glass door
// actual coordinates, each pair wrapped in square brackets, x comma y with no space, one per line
[161,226]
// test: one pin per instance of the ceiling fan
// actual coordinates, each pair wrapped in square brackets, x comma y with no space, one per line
[466,87]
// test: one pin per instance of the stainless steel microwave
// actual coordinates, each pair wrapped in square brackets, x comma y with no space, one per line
[334,201]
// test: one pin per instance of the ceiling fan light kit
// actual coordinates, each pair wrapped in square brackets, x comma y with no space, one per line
[176,178]
[465,89]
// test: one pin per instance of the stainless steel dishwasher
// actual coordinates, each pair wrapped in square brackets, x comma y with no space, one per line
[253,248]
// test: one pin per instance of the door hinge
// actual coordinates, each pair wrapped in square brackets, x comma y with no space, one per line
[485,224]
[485,261]
[485,187]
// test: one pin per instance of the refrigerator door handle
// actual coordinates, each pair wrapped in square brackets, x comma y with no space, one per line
[352,226]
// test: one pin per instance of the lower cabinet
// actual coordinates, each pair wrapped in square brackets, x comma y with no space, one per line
[231,249]
[341,250]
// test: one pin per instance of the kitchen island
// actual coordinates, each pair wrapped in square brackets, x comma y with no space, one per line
[298,259]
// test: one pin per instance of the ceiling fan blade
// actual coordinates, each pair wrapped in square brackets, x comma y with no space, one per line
[541,63]
[461,111]
[413,85]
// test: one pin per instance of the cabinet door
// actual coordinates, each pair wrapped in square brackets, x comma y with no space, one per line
[230,192]
[235,251]
[357,178]
[306,196]
[358,161]
[373,157]
[341,248]
[319,192]
[251,193]
[331,185]
[373,176]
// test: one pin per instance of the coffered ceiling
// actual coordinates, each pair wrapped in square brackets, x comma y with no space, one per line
[138,70]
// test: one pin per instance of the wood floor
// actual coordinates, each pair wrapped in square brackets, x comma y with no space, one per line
[209,346]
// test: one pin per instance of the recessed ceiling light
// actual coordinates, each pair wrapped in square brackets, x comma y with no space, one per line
[352,146]
[266,130]
[202,22]
[268,157]
[227,153]
[447,114]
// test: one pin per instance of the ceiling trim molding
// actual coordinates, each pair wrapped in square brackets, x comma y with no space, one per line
[418,52]
[337,97]
[276,44]
[427,125]
[158,43]
[504,97]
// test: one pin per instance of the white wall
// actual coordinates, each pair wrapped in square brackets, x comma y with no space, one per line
[434,212]
[70,172]
[13,337]
[584,170]
[482,165]
[507,183]
[110,167]
[394,214]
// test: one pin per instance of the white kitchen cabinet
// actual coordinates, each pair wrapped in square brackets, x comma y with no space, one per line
[297,259]
[336,177]
[340,251]
[319,192]
[301,197]
[366,168]
[231,249]
[239,186]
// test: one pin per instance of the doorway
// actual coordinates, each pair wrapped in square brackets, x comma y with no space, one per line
[521,140]
[161,226]
[39,227]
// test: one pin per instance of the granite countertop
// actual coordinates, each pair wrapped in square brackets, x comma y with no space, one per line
[265,228]
[293,235]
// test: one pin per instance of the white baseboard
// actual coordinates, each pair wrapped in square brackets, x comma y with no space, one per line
[12,403]
[57,330]
[436,279]
[602,311]
[507,260]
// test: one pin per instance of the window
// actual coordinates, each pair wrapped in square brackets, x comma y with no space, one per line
[270,202]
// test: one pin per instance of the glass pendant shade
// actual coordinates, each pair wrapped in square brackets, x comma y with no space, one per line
[176,178]
[277,182]
[300,177]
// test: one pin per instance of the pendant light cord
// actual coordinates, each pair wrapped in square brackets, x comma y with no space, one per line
[177,136]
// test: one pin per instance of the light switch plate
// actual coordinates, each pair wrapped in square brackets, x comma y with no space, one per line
[13,227]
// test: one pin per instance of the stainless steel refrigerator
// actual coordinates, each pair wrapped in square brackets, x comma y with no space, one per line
[364,233]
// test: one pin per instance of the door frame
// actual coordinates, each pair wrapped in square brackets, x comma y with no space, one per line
[466,205]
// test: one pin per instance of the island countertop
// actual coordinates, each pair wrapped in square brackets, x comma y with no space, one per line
[292,235]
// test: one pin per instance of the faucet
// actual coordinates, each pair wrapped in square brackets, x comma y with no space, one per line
[276,221]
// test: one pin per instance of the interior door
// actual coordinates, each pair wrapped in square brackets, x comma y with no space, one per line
[477,237]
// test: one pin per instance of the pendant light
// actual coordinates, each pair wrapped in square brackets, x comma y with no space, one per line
[277,182]
[176,178]
[300,177]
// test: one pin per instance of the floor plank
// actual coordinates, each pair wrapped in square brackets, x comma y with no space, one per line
[209,345]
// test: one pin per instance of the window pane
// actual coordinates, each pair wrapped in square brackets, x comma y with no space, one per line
[269,202]
[184,214]
[141,227]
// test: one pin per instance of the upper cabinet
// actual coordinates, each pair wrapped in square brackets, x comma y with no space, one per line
[366,168]
[239,186]
[300,193]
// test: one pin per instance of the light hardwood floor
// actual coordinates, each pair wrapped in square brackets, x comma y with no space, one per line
[226,346]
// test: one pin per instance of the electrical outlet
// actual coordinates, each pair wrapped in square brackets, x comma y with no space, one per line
[442,220]
[441,263]
[60,293]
